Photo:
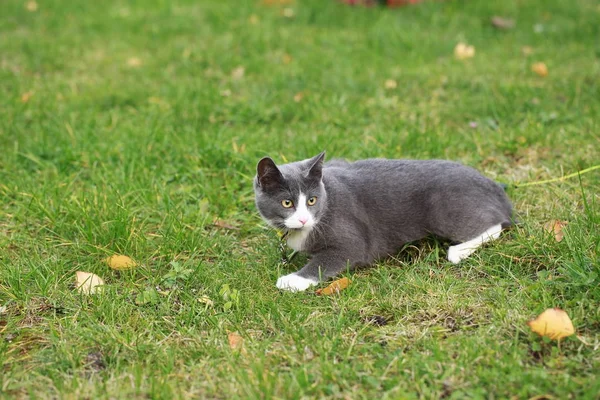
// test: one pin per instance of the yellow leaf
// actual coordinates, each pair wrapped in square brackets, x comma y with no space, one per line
[238,73]
[553,323]
[463,51]
[335,287]
[134,62]
[26,96]
[391,84]
[540,68]
[88,283]
[31,6]
[120,262]
[555,227]
[236,342]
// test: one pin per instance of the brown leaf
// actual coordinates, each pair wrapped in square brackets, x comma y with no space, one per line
[134,62]
[553,323]
[286,58]
[540,68]
[238,73]
[88,283]
[335,287]
[236,342]
[219,223]
[390,84]
[31,6]
[298,97]
[502,23]
[120,262]
[555,227]
[26,96]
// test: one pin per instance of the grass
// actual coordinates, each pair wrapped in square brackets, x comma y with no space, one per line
[127,127]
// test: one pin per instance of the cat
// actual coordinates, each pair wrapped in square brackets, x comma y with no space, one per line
[350,214]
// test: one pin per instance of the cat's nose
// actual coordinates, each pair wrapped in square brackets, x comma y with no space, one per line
[303,220]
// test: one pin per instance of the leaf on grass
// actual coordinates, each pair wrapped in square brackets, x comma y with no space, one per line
[502,23]
[298,97]
[31,6]
[88,283]
[540,68]
[120,262]
[134,62]
[277,2]
[219,223]
[335,287]
[462,51]
[236,342]
[390,84]
[553,323]
[555,227]
[26,96]
[238,73]
[206,300]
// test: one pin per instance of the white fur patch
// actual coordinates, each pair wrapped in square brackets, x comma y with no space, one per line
[463,250]
[294,283]
[297,239]
[301,218]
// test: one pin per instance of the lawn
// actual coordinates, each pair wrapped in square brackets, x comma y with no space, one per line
[135,127]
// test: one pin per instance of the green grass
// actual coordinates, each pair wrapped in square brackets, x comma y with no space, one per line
[123,130]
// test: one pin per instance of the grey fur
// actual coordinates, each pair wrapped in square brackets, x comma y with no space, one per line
[369,209]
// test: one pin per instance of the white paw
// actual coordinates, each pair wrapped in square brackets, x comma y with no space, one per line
[456,253]
[294,283]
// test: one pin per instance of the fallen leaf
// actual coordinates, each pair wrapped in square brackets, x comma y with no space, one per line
[88,283]
[120,262]
[288,12]
[335,287]
[527,50]
[238,73]
[540,68]
[206,300]
[134,62]
[555,227]
[298,97]
[31,6]
[219,223]
[26,96]
[226,93]
[553,323]
[390,84]
[463,51]
[277,2]
[236,342]
[502,23]
[253,19]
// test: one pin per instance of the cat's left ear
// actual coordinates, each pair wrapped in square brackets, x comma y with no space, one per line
[316,166]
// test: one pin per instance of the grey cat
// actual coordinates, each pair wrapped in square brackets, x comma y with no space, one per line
[349,214]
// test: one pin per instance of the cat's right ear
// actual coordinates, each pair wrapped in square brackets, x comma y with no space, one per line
[268,174]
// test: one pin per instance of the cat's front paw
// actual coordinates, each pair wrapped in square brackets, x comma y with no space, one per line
[295,283]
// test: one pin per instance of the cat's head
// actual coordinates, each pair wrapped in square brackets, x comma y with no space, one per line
[291,196]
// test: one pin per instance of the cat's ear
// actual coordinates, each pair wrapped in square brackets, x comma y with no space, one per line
[316,166]
[268,174]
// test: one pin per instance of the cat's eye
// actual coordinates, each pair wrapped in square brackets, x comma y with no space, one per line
[312,201]
[287,203]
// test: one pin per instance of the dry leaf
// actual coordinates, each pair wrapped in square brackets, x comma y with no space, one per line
[390,84]
[555,227]
[226,93]
[553,323]
[298,97]
[502,23]
[288,12]
[88,283]
[334,287]
[286,58]
[31,6]
[206,300]
[540,68]
[236,342]
[224,225]
[253,19]
[238,73]
[527,50]
[134,62]
[463,51]
[120,262]
[26,96]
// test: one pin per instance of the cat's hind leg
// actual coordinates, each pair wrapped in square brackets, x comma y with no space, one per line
[463,250]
